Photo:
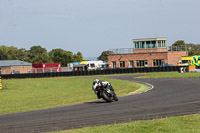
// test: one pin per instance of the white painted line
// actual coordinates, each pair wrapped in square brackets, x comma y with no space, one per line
[144,83]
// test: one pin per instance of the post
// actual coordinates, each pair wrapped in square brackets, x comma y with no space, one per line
[156,43]
[0,84]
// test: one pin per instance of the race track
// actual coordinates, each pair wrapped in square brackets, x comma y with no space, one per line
[169,97]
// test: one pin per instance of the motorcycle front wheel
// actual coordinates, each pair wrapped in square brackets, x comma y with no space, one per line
[115,98]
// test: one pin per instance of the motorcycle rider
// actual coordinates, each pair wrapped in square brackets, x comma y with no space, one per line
[95,87]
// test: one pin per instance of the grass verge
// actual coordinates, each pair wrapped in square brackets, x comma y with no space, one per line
[157,75]
[21,95]
[170,75]
[181,124]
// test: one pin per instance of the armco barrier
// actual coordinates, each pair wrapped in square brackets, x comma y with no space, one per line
[97,72]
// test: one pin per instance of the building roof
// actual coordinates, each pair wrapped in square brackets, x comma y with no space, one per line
[149,39]
[10,63]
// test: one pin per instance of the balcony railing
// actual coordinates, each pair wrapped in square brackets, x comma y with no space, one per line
[146,50]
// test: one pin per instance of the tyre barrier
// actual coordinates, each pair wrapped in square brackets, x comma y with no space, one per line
[183,69]
[97,72]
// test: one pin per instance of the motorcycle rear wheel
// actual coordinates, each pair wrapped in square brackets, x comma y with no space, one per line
[106,97]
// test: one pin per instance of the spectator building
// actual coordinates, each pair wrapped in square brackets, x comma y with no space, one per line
[14,67]
[148,52]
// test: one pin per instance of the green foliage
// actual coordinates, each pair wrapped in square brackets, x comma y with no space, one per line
[193,49]
[171,75]
[61,56]
[179,43]
[104,55]
[37,54]
[24,55]
[78,57]
[13,53]
[7,53]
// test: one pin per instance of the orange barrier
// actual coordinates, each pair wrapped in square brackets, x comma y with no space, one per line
[192,67]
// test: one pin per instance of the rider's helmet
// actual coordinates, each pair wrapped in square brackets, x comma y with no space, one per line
[95,81]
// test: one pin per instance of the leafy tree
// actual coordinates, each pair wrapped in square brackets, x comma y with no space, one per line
[193,47]
[9,53]
[61,56]
[104,55]
[78,57]
[24,55]
[12,53]
[179,43]
[38,54]
[3,52]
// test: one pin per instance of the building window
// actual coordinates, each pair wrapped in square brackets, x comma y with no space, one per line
[114,64]
[136,45]
[131,64]
[154,44]
[163,44]
[147,44]
[139,45]
[159,44]
[122,64]
[141,63]
[160,62]
[151,44]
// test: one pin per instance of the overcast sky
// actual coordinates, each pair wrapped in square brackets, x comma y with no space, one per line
[93,26]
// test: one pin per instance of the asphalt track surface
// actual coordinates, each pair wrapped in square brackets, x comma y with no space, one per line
[169,97]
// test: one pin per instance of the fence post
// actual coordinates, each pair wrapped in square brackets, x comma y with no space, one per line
[0,84]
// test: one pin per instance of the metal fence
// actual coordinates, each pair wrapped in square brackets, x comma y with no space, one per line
[147,50]
[121,51]
[34,70]
[177,48]
[97,72]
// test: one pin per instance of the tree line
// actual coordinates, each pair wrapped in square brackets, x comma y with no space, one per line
[37,54]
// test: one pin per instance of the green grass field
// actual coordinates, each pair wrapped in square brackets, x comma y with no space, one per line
[162,75]
[20,95]
[170,75]
[181,124]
